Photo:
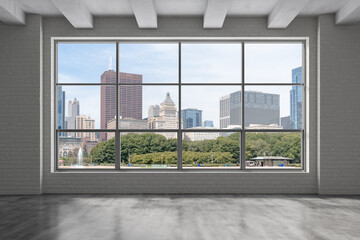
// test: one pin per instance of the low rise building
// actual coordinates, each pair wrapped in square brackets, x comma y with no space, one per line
[126,123]
[264,126]
[67,145]
[200,136]
[167,119]
[272,161]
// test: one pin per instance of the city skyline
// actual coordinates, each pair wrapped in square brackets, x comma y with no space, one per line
[91,61]
[67,116]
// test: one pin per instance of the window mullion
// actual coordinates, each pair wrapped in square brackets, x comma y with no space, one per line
[242,141]
[117,133]
[179,135]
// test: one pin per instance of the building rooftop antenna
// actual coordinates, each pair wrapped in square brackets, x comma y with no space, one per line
[110,63]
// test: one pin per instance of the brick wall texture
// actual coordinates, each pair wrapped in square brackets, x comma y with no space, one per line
[335,172]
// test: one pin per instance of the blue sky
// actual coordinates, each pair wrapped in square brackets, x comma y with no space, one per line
[158,63]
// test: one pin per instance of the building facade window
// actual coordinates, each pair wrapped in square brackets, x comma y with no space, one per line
[180,105]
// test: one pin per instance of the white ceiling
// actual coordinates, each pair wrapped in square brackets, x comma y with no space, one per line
[120,8]
[180,7]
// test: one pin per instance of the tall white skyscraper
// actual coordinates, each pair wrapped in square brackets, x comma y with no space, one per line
[73,111]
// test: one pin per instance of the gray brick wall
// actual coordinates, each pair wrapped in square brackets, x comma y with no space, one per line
[20,170]
[20,108]
[180,182]
[340,107]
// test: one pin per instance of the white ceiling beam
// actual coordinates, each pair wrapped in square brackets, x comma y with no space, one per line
[284,12]
[145,13]
[10,13]
[215,13]
[75,12]
[349,13]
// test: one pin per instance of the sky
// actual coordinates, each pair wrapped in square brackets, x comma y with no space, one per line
[158,63]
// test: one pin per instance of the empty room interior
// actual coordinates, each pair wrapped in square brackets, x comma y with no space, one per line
[179,119]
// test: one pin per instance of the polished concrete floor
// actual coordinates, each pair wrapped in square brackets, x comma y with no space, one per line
[178,217]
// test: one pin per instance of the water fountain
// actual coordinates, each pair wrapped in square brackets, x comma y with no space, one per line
[79,162]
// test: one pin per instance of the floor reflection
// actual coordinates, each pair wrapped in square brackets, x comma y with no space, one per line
[178,217]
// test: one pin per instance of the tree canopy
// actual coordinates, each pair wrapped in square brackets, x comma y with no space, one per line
[151,148]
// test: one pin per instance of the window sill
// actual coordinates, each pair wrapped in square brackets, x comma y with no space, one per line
[207,170]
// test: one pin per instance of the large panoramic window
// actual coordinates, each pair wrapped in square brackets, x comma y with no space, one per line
[180,105]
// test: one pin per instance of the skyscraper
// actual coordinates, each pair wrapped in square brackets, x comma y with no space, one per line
[191,117]
[107,101]
[61,108]
[85,122]
[225,111]
[73,111]
[260,108]
[296,100]
[130,98]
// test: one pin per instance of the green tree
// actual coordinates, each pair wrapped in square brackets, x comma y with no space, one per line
[134,143]
[189,157]
[104,152]
[273,144]
[151,147]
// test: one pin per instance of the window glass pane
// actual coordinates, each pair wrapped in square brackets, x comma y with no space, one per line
[209,107]
[148,107]
[85,62]
[149,150]
[211,63]
[273,107]
[84,107]
[273,63]
[155,62]
[85,150]
[211,150]
[156,107]
[273,150]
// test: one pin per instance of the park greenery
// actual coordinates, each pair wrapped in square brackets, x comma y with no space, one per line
[151,148]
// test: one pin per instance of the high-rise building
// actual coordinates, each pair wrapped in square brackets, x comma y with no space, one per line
[208,123]
[61,108]
[167,119]
[296,100]
[73,111]
[225,111]
[191,117]
[85,122]
[260,108]
[153,111]
[285,122]
[107,101]
[130,98]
